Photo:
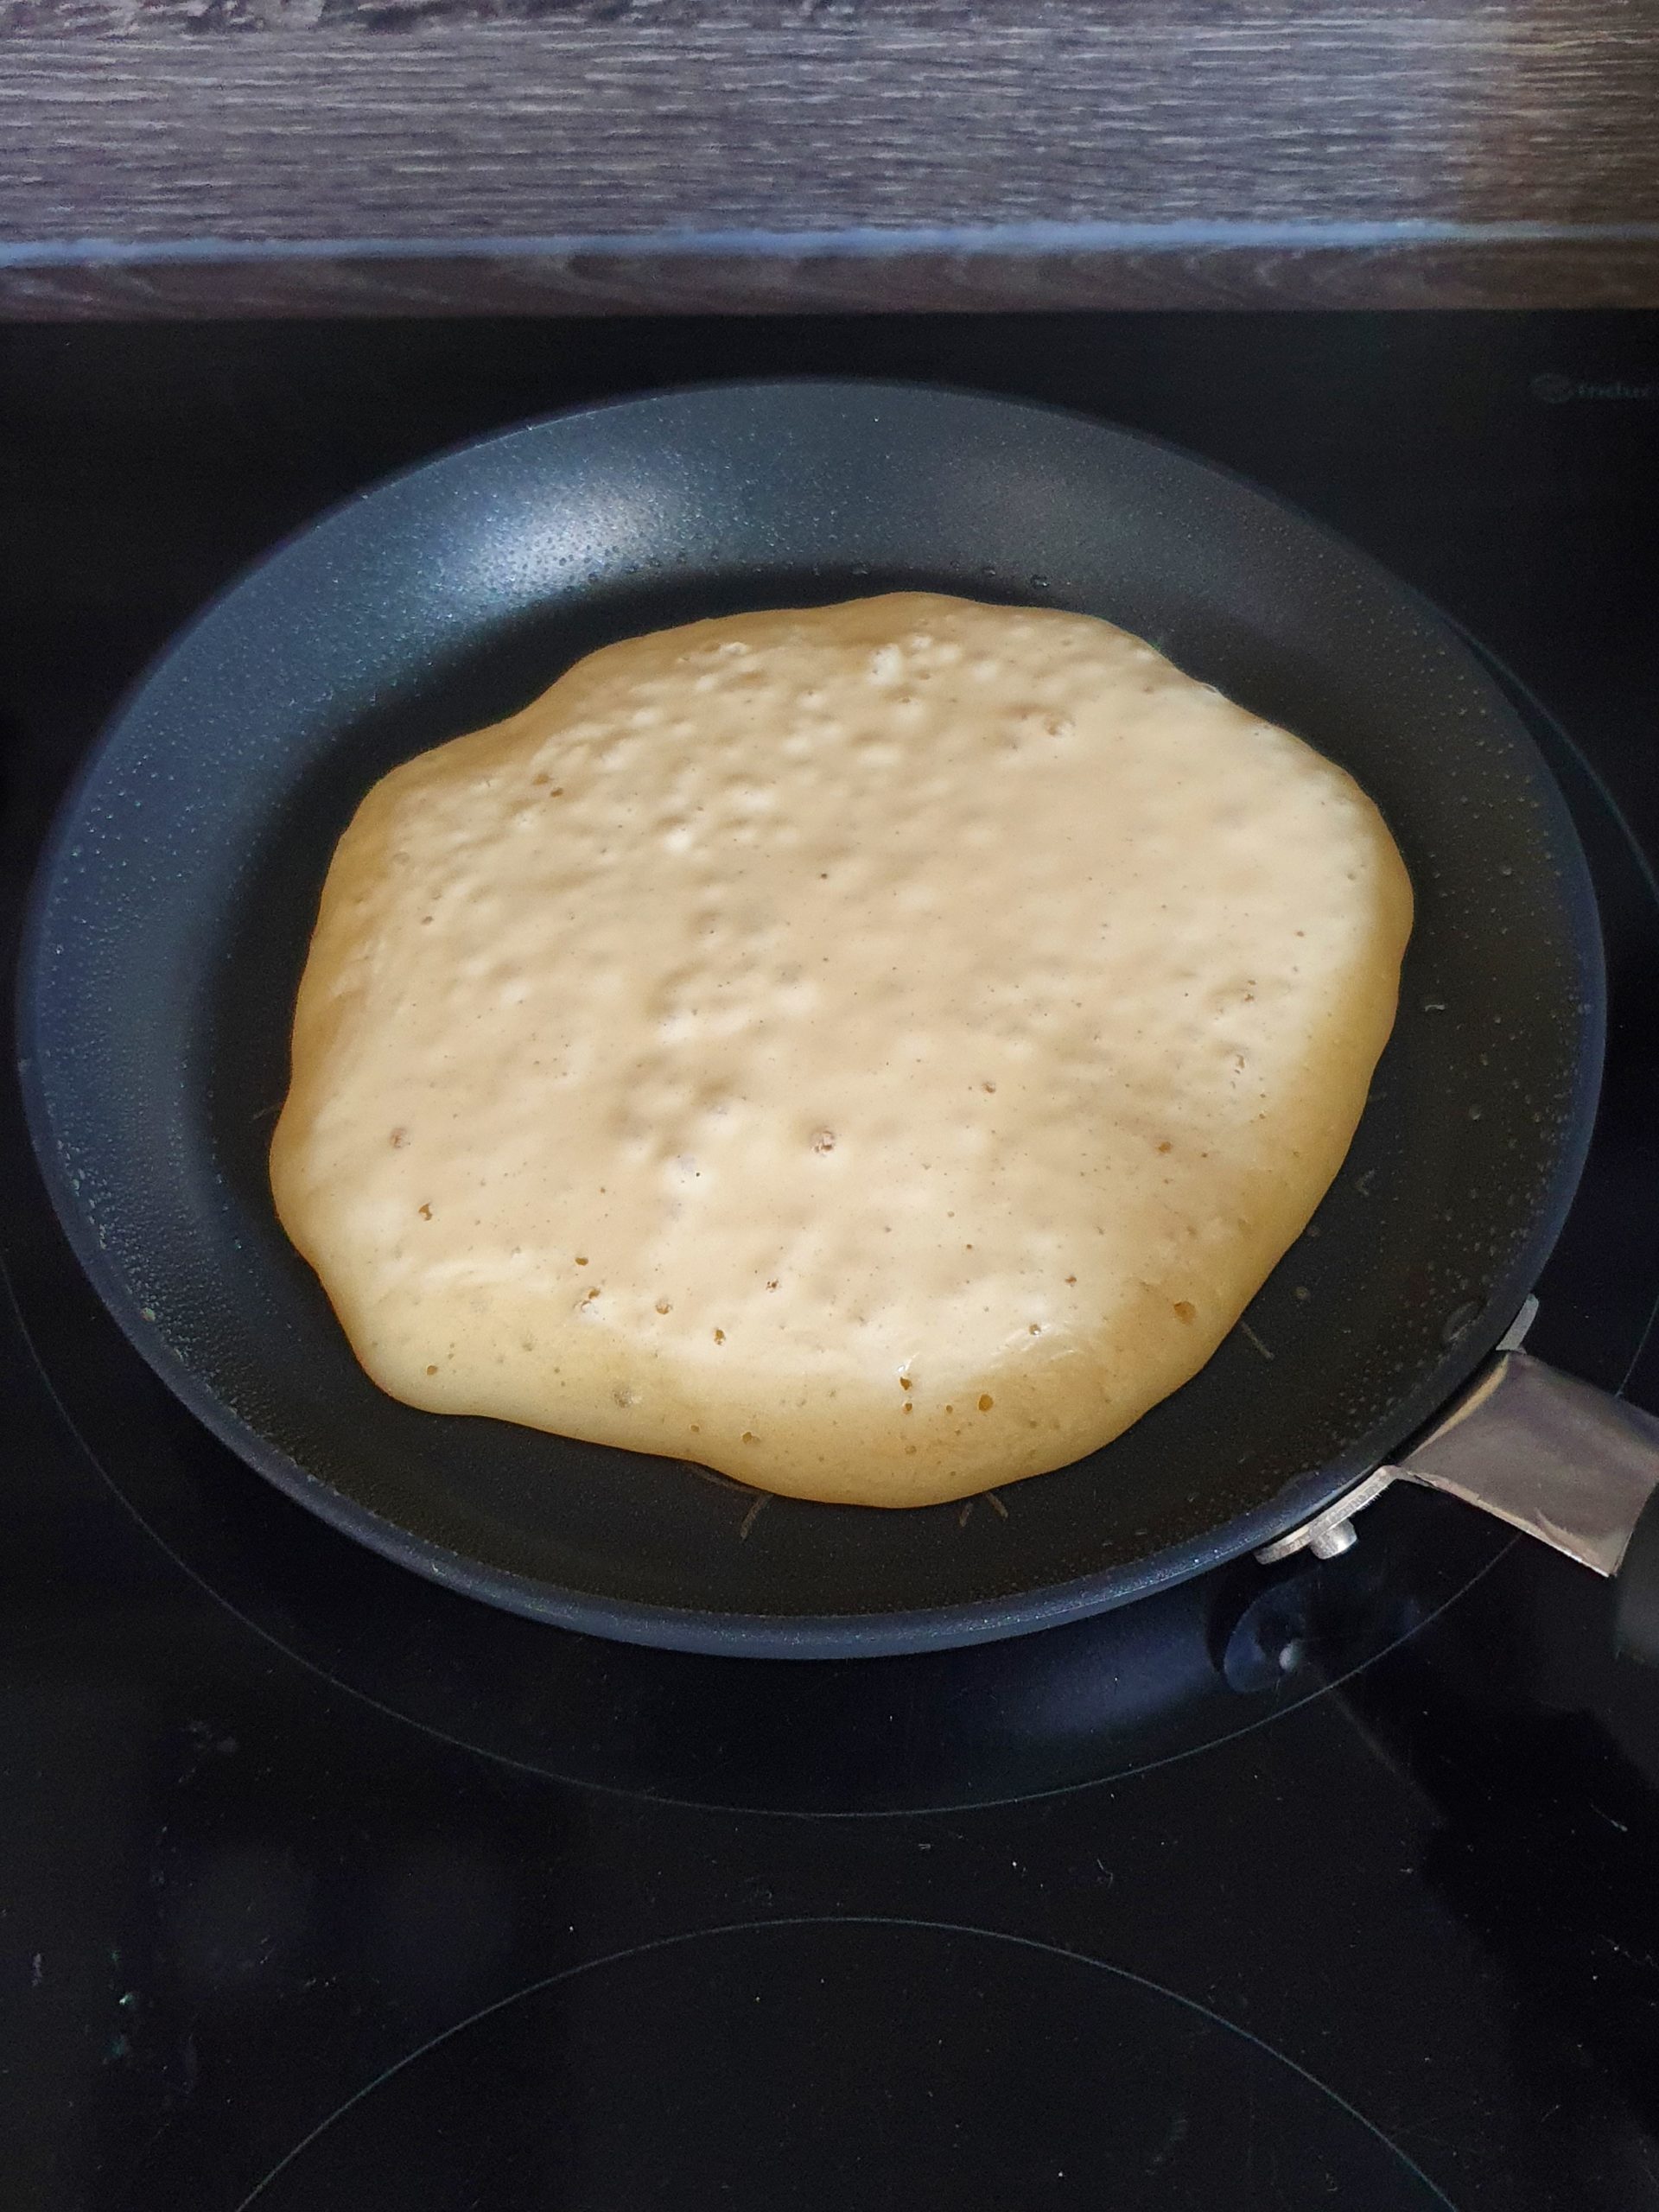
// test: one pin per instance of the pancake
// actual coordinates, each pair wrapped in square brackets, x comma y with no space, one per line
[875,1051]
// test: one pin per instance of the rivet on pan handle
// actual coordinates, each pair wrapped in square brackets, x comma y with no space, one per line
[1548,1454]
[1330,1533]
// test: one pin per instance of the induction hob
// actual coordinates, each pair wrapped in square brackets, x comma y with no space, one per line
[323,1887]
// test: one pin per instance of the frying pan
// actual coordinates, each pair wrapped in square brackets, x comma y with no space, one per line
[171,917]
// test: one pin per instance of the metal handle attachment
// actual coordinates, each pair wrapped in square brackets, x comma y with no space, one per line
[1552,1455]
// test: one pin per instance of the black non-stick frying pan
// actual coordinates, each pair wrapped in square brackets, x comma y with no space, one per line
[174,907]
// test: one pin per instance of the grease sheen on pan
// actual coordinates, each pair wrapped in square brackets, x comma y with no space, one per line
[876,1050]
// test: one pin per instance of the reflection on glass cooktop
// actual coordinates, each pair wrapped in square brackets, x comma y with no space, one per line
[324,1886]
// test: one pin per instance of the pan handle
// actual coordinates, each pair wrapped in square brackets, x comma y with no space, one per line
[1637,1601]
[1552,1456]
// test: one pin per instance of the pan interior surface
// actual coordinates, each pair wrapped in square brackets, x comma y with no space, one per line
[174,911]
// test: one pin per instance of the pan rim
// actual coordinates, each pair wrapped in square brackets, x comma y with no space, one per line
[825,1635]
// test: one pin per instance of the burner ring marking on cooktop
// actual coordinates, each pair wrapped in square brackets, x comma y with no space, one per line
[995,2069]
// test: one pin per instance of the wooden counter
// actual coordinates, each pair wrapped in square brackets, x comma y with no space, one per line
[214,157]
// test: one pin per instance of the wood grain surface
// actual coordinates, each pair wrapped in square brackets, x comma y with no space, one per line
[220,156]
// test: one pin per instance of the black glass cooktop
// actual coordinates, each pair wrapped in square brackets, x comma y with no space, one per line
[322,1887]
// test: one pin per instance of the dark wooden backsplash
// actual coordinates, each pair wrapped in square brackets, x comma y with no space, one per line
[270,156]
